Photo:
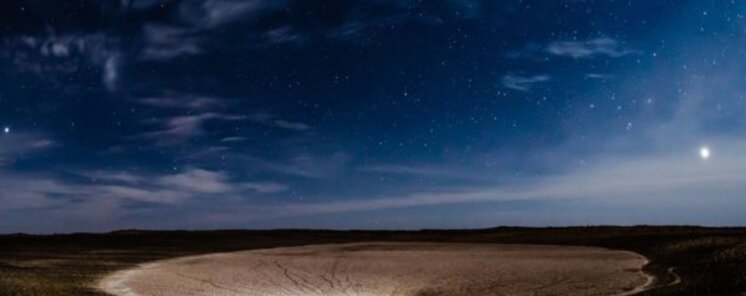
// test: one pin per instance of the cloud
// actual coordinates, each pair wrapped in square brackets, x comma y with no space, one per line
[129,193]
[23,192]
[198,20]
[111,72]
[270,120]
[141,4]
[183,102]
[298,126]
[197,181]
[203,152]
[678,178]
[54,56]
[588,48]
[284,34]
[428,171]
[164,42]
[633,176]
[367,18]
[179,129]
[107,176]
[233,139]
[218,12]
[307,166]
[167,30]
[637,176]
[599,76]
[265,187]
[522,83]
[34,191]
[22,142]
[17,145]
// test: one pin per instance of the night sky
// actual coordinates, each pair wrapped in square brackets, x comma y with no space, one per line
[346,114]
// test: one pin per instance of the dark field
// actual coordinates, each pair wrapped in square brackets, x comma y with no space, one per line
[710,261]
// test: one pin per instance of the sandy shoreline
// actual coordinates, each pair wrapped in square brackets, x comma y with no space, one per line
[391,269]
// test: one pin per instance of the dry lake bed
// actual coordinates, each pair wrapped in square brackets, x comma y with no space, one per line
[391,269]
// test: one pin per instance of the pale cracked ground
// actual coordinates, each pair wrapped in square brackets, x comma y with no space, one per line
[391,269]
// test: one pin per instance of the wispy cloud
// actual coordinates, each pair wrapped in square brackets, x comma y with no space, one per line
[681,177]
[663,173]
[28,191]
[183,102]
[179,129]
[284,34]
[599,76]
[168,42]
[351,23]
[218,12]
[308,166]
[108,176]
[22,191]
[270,120]
[110,77]
[265,187]
[17,145]
[425,171]
[52,55]
[203,153]
[298,126]
[141,4]
[198,181]
[589,48]
[522,83]
[233,139]
[165,42]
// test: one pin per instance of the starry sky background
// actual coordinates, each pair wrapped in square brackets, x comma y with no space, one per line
[370,113]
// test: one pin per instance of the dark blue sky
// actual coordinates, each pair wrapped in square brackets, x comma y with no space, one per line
[370,113]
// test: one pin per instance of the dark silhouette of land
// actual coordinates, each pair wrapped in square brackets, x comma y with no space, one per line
[685,260]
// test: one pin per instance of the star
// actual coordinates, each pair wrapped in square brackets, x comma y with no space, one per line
[6,130]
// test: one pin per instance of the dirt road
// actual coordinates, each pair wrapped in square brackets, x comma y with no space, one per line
[390,269]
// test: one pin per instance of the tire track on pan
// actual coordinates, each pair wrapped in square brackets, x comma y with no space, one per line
[309,278]
[270,279]
[342,284]
[217,286]
[556,280]
[299,281]
[287,275]
[328,274]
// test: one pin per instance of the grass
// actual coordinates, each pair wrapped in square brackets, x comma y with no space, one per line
[710,261]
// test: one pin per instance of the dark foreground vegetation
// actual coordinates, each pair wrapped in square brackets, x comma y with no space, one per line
[710,261]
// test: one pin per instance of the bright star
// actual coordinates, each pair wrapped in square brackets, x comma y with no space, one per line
[6,130]
[704,152]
